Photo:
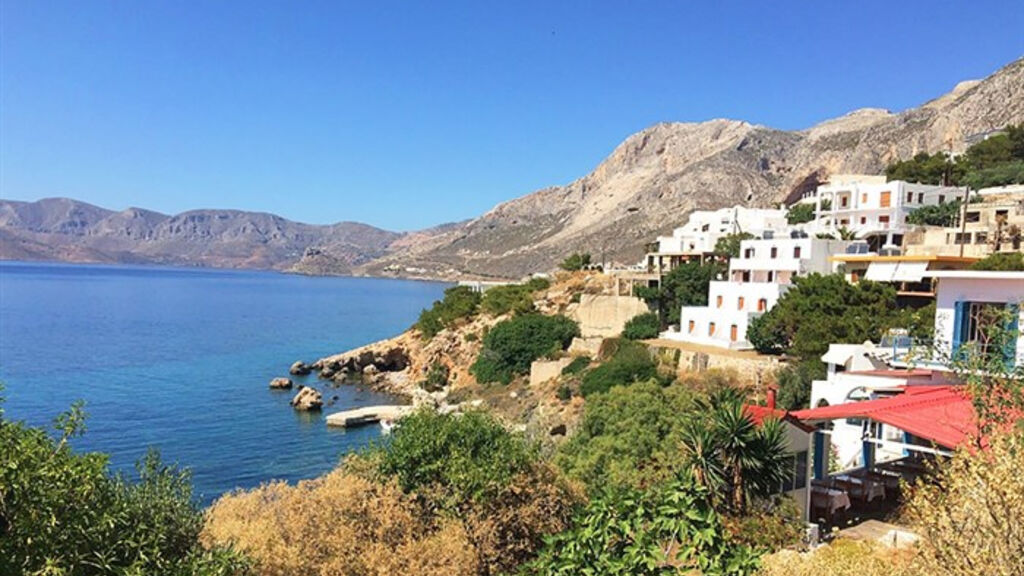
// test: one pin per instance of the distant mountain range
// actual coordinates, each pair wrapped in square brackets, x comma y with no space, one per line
[647,186]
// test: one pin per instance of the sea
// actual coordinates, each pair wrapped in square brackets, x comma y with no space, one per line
[179,359]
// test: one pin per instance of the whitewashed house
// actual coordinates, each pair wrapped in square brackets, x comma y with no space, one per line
[696,239]
[961,299]
[872,208]
[756,280]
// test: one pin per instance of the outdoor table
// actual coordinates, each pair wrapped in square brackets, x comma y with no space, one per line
[863,488]
[830,499]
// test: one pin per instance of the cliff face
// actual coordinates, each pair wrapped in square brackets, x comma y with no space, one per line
[656,177]
[68,230]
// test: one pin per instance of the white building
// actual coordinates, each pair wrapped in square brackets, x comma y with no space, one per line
[697,238]
[963,302]
[872,208]
[756,280]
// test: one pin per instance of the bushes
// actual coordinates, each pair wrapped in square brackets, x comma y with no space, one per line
[627,438]
[794,381]
[459,303]
[437,377]
[578,364]
[686,285]
[671,530]
[575,261]
[642,327]
[512,345]
[1003,261]
[938,215]
[629,362]
[447,495]
[516,298]
[63,513]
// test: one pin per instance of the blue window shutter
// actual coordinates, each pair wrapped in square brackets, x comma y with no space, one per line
[1012,327]
[959,321]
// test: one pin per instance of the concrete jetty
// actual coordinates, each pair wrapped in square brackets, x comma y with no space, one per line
[367,415]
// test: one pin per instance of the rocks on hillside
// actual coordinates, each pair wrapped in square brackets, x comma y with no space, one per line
[307,399]
[299,368]
[281,384]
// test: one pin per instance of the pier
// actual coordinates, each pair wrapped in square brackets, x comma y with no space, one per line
[367,415]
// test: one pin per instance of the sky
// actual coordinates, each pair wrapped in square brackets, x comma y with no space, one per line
[405,115]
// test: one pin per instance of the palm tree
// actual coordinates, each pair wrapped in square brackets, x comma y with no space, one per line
[736,433]
[701,454]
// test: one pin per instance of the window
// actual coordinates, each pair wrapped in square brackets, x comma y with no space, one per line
[910,197]
[885,200]
[733,333]
[942,199]
[980,237]
[771,275]
[775,252]
[972,323]
[844,201]
[796,252]
[844,222]
[864,198]
[920,197]
[884,221]
[762,304]
[973,216]
[718,301]
[739,303]
[797,477]
[748,253]
[863,220]
[711,329]
[692,325]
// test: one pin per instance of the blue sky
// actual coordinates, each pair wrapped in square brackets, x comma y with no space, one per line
[409,114]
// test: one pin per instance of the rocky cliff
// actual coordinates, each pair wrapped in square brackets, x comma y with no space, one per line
[656,177]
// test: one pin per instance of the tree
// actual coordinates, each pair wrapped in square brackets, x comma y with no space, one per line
[1002,261]
[512,345]
[800,213]
[794,381]
[1001,175]
[686,285]
[642,327]
[820,310]
[926,168]
[669,530]
[729,246]
[944,214]
[514,298]
[731,456]
[64,513]
[575,261]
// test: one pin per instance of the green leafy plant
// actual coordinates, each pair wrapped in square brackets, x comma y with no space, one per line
[642,327]
[578,364]
[629,362]
[575,261]
[437,377]
[515,298]
[1002,261]
[459,303]
[512,345]
[729,246]
[685,285]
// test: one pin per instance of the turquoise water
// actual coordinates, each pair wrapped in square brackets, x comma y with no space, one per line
[180,359]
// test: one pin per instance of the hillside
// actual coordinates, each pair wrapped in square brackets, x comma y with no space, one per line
[656,177]
[71,231]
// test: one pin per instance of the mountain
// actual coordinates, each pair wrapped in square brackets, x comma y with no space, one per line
[655,178]
[647,186]
[69,230]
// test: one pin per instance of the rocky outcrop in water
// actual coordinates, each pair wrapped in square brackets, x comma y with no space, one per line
[281,384]
[299,368]
[307,399]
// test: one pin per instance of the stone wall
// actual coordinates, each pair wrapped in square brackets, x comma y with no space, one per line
[543,370]
[604,315]
[749,369]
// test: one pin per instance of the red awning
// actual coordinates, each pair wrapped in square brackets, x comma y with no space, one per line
[941,414]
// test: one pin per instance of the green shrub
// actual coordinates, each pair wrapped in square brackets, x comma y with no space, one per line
[670,530]
[471,337]
[628,437]
[575,261]
[642,327]
[64,513]
[944,214]
[630,362]
[729,246]
[437,377]
[517,298]
[459,303]
[800,213]
[794,381]
[564,392]
[578,364]
[512,345]
[685,285]
[462,458]
[1003,261]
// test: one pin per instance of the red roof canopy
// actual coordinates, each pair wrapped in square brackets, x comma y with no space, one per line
[942,414]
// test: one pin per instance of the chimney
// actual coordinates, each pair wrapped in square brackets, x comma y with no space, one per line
[771,397]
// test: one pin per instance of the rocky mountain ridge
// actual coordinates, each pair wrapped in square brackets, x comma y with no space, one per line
[647,186]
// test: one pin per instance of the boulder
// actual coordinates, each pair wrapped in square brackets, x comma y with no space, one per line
[370,370]
[299,368]
[307,399]
[281,384]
